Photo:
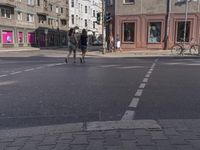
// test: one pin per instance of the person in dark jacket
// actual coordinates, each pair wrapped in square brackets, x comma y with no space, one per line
[83,44]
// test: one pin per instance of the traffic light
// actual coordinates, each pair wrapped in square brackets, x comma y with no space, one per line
[108,17]
[98,18]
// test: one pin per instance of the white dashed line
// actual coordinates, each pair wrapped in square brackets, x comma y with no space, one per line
[29,69]
[142,85]
[139,92]
[145,80]
[134,102]
[39,67]
[3,75]
[13,73]
[128,115]
[147,75]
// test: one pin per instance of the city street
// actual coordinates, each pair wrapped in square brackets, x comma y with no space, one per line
[38,90]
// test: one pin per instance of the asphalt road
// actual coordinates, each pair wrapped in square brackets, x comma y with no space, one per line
[44,91]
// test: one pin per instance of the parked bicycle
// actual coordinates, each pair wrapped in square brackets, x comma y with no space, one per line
[188,48]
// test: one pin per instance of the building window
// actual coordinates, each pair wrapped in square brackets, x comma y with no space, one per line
[51,7]
[63,22]
[7,37]
[85,22]
[129,32]
[94,14]
[19,15]
[129,1]
[41,19]
[57,9]
[20,37]
[72,19]
[154,32]
[30,18]
[72,3]
[86,9]
[5,13]
[61,10]
[94,25]
[38,2]
[180,31]
[30,2]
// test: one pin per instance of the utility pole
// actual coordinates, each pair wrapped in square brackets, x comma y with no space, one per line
[103,27]
[167,28]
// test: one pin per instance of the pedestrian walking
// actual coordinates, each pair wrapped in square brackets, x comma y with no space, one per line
[72,45]
[83,45]
[118,43]
[111,43]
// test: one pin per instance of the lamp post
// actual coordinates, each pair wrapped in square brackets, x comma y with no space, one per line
[103,27]
[186,18]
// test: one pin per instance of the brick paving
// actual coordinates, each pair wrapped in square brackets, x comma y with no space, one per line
[170,136]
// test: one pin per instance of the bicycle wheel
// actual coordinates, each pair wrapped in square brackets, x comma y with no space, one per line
[176,49]
[194,49]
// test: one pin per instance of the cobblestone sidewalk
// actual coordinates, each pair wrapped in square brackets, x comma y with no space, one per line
[127,135]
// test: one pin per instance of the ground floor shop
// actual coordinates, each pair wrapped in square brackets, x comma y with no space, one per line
[154,31]
[42,37]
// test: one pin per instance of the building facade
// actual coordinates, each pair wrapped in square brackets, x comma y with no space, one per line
[82,14]
[153,24]
[33,23]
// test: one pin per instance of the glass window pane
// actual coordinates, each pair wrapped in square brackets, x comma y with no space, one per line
[129,32]
[180,31]
[154,32]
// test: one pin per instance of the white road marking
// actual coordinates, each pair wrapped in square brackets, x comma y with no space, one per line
[134,102]
[139,92]
[147,75]
[13,73]
[3,75]
[39,67]
[7,83]
[107,66]
[142,85]
[128,115]
[130,67]
[29,69]
[145,80]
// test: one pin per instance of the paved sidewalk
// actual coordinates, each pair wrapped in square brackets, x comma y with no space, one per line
[111,135]
[64,51]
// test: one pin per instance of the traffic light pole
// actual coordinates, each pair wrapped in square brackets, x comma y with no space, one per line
[103,27]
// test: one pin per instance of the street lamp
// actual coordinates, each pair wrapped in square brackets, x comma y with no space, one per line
[186,17]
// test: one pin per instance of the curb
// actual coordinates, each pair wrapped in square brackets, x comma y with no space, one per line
[80,127]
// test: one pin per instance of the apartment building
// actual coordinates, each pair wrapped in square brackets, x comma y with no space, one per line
[33,23]
[153,24]
[82,15]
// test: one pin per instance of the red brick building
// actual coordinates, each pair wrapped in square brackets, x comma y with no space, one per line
[153,24]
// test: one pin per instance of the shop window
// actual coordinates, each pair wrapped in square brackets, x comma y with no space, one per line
[180,31]
[31,38]
[154,32]
[20,37]
[7,37]
[129,32]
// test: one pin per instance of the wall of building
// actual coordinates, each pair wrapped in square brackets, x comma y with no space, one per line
[144,15]
[17,31]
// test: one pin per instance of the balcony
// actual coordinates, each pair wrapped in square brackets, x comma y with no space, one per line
[9,3]
[42,11]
